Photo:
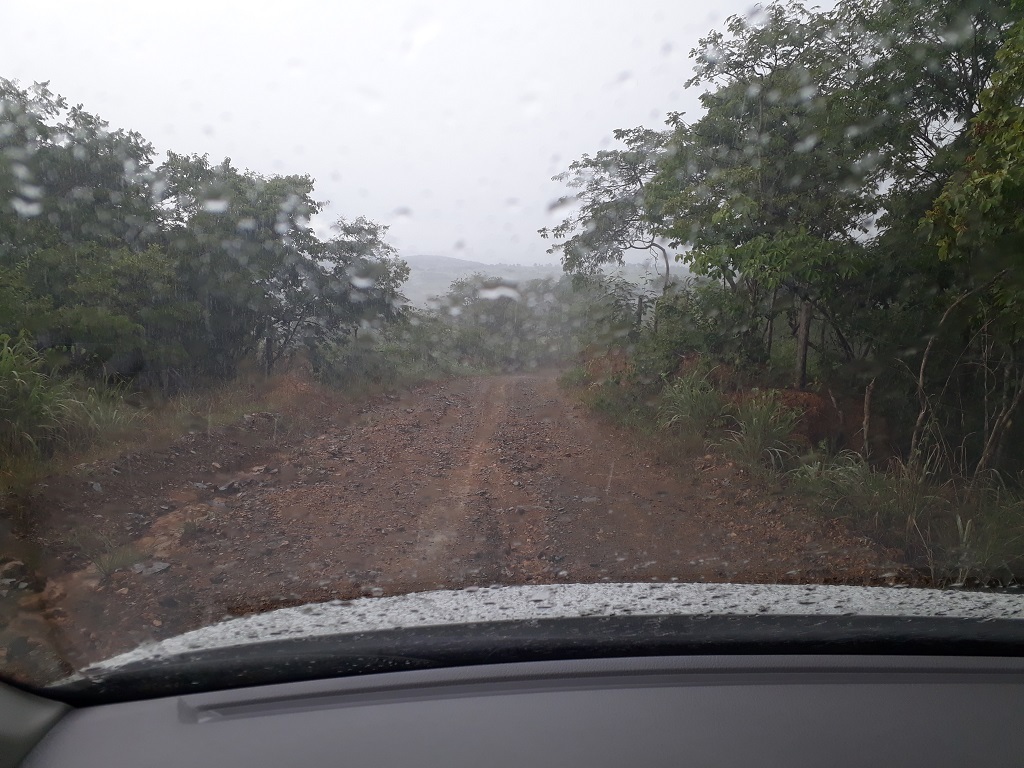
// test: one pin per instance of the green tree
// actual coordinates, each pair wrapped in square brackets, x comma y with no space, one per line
[767,189]
[612,216]
[172,272]
[978,224]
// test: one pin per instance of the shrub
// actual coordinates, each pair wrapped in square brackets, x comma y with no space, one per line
[891,505]
[576,376]
[983,539]
[971,533]
[107,411]
[355,366]
[106,554]
[691,401]
[37,413]
[762,427]
[822,474]
[620,404]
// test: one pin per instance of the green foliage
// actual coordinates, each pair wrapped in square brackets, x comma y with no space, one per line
[960,533]
[100,311]
[123,272]
[107,413]
[981,537]
[37,412]
[978,220]
[613,217]
[624,406]
[893,506]
[576,376]
[355,366]
[166,273]
[819,471]
[692,402]
[796,198]
[494,324]
[796,194]
[720,325]
[422,347]
[42,414]
[762,430]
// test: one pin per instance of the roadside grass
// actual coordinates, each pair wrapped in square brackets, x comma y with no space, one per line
[107,555]
[38,414]
[639,412]
[107,422]
[761,431]
[959,532]
[955,532]
[692,403]
[50,425]
[576,376]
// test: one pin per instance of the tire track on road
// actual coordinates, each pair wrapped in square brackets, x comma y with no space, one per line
[443,525]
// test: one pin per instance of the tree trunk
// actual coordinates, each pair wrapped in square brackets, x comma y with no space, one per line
[868,390]
[770,330]
[664,256]
[268,348]
[803,337]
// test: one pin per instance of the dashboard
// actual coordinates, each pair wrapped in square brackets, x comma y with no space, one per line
[702,710]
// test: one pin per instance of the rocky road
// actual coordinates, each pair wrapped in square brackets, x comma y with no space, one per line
[476,481]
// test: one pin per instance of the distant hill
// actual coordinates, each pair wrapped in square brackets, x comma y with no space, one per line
[431,275]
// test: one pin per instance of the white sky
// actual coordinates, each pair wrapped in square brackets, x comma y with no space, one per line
[445,120]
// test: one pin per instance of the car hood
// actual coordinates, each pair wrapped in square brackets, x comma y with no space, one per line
[526,604]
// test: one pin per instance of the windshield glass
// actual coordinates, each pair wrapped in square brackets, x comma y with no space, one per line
[314,302]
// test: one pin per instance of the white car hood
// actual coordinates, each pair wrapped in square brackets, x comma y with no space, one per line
[565,601]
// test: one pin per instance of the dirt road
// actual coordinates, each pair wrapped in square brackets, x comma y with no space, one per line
[491,480]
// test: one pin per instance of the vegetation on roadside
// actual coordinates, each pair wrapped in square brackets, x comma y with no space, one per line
[127,279]
[37,412]
[692,402]
[105,554]
[847,207]
[760,430]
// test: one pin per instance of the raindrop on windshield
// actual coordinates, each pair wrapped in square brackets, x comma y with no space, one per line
[499,292]
[362,283]
[215,206]
[26,208]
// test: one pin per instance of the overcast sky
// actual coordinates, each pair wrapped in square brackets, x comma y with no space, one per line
[445,120]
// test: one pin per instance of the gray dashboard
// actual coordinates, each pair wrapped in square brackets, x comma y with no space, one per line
[654,711]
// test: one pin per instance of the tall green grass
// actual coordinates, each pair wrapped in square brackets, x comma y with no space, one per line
[693,402]
[761,430]
[38,413]
[960,532]
[42,415]
[107,413]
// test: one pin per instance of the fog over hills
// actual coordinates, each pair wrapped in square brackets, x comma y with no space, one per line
[431,275]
